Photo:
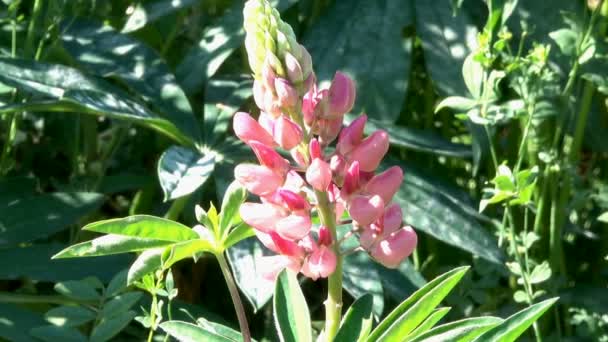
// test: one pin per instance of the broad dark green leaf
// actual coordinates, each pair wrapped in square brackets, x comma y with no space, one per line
[16,188]
[515,325]
[446,42]
[378,60]
[223,98]
[401,282]
[421,141]
[120,304]
[142,14]
[291,315]
[219,39]
[465,330]
[184,250]
[36,264]
[360,277]
[106,52]
[147,262]
[429,322]
[188,332]
[52,333]
[109,244]
[242,257]
[69,316]
[429,206]
[181,171]
[33,217]
[16,322]
[357,322]
[144,226]
[77,289]
[66,89]
[110,327]
[117,284]
[414,310]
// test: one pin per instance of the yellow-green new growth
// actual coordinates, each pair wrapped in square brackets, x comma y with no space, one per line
[271,40]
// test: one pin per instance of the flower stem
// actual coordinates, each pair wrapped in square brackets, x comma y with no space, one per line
[236,299]
[333,304]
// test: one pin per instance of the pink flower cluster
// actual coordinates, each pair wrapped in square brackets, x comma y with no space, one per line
[301,119]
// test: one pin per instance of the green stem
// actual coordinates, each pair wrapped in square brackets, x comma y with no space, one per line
[15,298]
[32,28]
[236,299]
[333,304]
[152,316]
[176,208]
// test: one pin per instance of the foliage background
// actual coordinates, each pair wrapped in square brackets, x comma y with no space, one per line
[101,139]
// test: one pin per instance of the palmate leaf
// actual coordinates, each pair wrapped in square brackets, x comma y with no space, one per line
[181,171]
[291,315]
[65,89]
[378,60]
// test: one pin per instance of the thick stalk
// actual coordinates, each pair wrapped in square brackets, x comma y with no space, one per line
[236,299]
[333,304]
[176,208]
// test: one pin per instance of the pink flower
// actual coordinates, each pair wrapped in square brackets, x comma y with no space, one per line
[351,135]
[268,157]
[294,226]
[247,129]
[391,251]
[320,264]
[261,216]
[294,70]
[286,93]
[385,184]
[318,174]
[286,247]
[292,200]
[329,129]
[258,179]
[366,209]
[269,267]
[371,151]
[342,93]
[287,133]
[351,180]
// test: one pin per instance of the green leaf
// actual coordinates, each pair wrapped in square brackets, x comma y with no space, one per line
[566,40]
[223,98]
[144,226]
[360,277]
[357,322]
[414,310]
[516,324]
[291,315]
[143,14]
[429,322]
[219,329]
[105,52]
[239,233]
[181,171]
[117,284]
[77,289]
[540,273]
[219,39]
[472,73]
[465,330]
[16,188]
[446,42]
[188,332]
[186,249]
[52,333]
[603,217]
[69,316]
[378,60]
[147,262]
[429,206]
[65,89]
[401,282]
[109,244]
[242,258]
[32,217]
[420,141]
[457,103]
[120,304]
[16,322]
[229,215]
[110,327]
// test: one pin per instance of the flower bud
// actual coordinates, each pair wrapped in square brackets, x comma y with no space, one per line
[299,157]
[392,219]
[247,129]
[385,184]
[366,209]
[324,236]
[337,164]
[318,174]
[314,148]
[258,179]
[294,226]
[305,62]
[287,133]
[342,95]
[320,264]
[391,251]
[292,200]
[267,122]
[351,135]
[309,102]
[261,216]
[351,180]
[287,95]
[286,247]
[294,70]
[268,157]
[371,151]
[259,92]
[329,130]
[268,73]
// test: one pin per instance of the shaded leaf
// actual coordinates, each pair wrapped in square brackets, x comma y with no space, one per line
[120,304]
[77,289]
[291,315]
[110,327]
[52,333]
[188,332]
[16,322]
[360,277]
[69,316]
[181,171]
[143,14]
[357,322]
